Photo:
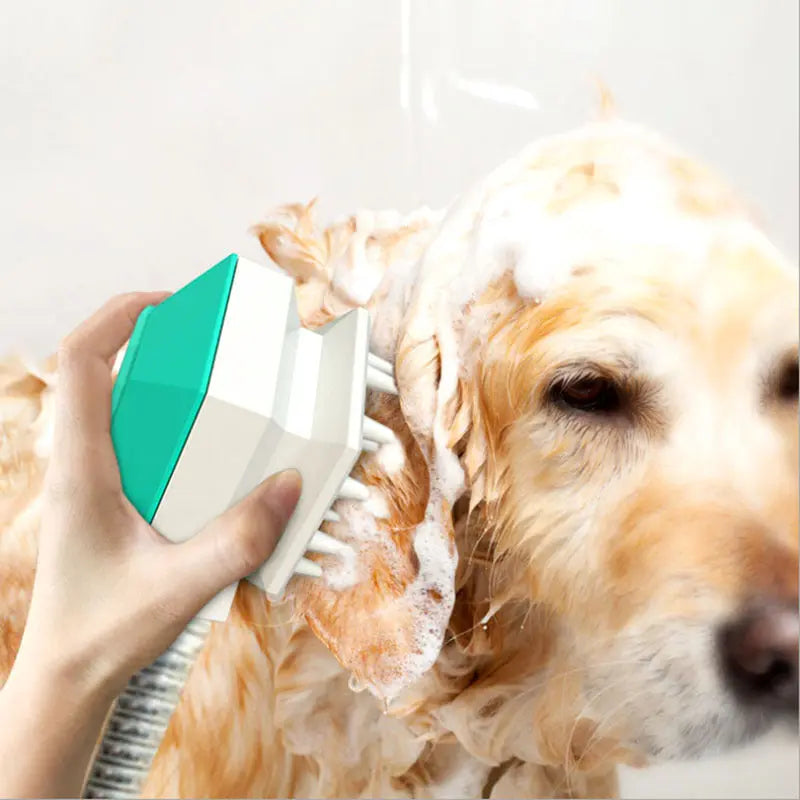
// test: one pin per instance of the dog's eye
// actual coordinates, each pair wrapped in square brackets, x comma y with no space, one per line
[593,393]
[787,380]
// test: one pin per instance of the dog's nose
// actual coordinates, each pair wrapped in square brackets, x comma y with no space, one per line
[759,653]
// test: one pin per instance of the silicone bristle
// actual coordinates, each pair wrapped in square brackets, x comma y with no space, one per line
[331,516]
[380,381]
[308,568]
[368,446]
[379,364]
[376,432]
[321,542]
[352,489]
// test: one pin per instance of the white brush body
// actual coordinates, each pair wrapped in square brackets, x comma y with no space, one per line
[279,396]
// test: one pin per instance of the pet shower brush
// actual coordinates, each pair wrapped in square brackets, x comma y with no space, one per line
[221,386]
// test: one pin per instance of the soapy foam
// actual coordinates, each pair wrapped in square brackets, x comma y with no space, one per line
[355,274]
[429,599]
[391,457]
[376,504]
[507,222]
[504,223]
[341,570]
[358,525]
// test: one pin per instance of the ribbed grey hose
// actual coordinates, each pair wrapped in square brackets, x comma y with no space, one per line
[140,717]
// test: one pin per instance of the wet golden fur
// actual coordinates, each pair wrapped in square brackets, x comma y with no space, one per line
[595,557]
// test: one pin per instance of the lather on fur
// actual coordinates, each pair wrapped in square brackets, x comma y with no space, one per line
[539,588]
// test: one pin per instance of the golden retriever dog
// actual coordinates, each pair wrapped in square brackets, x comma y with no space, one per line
[582,551]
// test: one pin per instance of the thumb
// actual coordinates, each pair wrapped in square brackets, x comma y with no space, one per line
[239,541]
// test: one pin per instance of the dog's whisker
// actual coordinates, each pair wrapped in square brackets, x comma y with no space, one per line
[569,766]
[603,721]
[575,670]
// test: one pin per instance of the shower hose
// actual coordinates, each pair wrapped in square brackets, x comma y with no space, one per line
[140,716]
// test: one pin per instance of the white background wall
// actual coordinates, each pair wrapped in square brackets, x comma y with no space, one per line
[138,141]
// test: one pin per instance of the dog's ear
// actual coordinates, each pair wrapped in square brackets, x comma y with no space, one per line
[384,614]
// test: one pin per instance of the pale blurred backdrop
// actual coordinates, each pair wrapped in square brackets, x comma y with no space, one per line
[139,141]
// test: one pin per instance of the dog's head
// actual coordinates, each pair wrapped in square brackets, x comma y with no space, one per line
[597,358]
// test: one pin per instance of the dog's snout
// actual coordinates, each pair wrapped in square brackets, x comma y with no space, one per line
[759,654]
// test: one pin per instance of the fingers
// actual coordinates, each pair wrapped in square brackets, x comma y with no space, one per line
[238,542]
[84,386]
[102,335]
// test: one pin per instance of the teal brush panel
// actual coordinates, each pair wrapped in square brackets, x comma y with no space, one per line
[163,380]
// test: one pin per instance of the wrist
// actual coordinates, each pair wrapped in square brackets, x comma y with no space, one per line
[66,681]
[53,720]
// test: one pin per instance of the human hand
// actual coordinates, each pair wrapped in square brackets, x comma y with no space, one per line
[111,594]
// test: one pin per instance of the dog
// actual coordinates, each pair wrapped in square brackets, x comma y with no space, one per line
[583,550]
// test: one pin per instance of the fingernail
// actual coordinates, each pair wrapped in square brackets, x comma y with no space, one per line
[284,491]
